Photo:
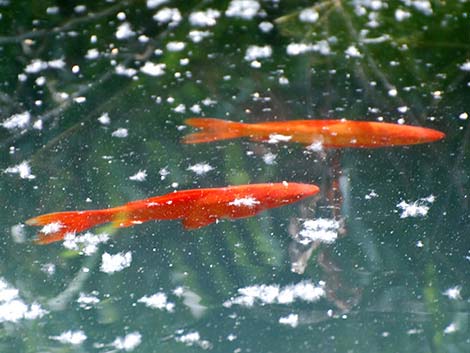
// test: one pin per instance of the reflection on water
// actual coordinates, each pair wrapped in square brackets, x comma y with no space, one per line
[93,103]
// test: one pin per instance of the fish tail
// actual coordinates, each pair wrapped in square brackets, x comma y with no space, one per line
[213,130]
[57,225]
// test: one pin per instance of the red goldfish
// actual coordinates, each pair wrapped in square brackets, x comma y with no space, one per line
[325,133]
[196,208]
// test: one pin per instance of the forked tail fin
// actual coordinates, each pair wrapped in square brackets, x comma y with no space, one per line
[213,130]
[57,225]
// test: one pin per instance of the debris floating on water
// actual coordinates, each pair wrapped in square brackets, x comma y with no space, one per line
[115,263]
[274,294]
[157,301]
[200,168]
[23,170]
[291,320]
[70,337]
[417,208]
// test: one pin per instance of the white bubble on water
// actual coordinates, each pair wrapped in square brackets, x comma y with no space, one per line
[204,18]
[152,69]
[200,168]
[157,301]
[124,31]
[17,121]
[244,9]
[141,175]
[115,263]
[290,320]
[70,337]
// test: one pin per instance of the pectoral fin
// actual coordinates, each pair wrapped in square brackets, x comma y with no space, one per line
[197,221]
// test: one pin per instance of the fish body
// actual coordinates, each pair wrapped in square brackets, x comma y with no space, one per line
[196,208]
[326,133]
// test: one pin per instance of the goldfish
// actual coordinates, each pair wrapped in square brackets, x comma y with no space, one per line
[195,207]
[324,133]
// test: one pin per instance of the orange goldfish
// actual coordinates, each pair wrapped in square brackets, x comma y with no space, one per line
[325,133]
[196,208]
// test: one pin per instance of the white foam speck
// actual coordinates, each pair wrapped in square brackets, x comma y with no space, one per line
[258,52]
[56,63]
[17,121]
[463,116]
[195,108]
[52,228]
[115,263]
[92,54]
[164,172]
[204,18]
[86,244]
[141,175]
[298,48]
[197,36]
[269,158]
[244,9]
[465,66]
[320,229]
[209,102]
[125,71]
[353,52]
[13,308]
[200,168]
[192,338]
[52,10]
[403,109]
[41,81]
[157,301]
[70,337]
[291,320]
[124,31]
[274,294]
[322,47]
[152,69]
[38,124]
[80,9]
[283,80]
[417,208]
[244,201]
[453,292]
[23,170]
[35,66]
[180,108]
[79,100]
[401,15]
[120,133]
[423,6]
[371,194]
[87,301]
[168,15]
[451,328]
[308,15]
[152,4]
[175,46]
[276,138]
[104,119]
[127,343]
[266,26]
[392,92]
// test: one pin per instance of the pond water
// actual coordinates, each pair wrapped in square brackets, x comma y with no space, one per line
[93,101]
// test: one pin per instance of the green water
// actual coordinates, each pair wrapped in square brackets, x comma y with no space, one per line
[389,283]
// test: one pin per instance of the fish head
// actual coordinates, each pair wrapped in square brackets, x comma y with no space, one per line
[387,134]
